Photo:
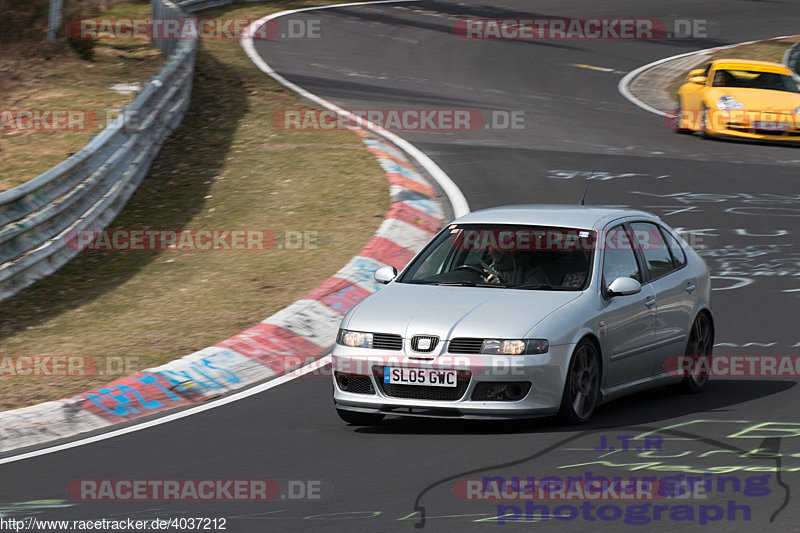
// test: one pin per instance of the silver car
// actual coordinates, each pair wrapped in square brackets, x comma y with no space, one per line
[527,311]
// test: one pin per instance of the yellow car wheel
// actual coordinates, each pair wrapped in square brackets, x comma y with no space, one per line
[678,113]
[703,122]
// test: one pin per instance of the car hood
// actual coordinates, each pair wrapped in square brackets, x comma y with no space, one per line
[448,312]
[760,98]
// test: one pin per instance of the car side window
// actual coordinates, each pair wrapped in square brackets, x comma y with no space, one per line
[657,257]
[619,259]
[675,248]
[723,78]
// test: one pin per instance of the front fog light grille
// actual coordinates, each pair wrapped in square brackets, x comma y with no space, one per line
[500,391]
[354,383]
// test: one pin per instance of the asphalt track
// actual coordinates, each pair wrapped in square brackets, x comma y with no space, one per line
[742,196]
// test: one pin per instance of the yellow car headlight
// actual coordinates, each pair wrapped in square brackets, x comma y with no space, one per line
[729,103]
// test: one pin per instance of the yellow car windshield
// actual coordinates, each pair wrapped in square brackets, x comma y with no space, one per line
[753,79]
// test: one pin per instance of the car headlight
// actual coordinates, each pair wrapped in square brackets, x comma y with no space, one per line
[729,103]
[514,346]
[796,110]
[354,339]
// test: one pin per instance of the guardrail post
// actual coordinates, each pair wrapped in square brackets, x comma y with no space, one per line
[54,19]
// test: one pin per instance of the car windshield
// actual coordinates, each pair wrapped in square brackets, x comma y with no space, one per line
[506,256]
[753,79]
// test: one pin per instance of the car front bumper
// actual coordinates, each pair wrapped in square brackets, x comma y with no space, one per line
[541,376]
[741,124]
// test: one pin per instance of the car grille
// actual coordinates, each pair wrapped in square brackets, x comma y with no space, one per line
[418,392]
[387,341]
[465,345]
[785,133]
[415,340]
[747,129]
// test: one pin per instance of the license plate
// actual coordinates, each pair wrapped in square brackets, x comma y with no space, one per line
[771,126]
[427,377]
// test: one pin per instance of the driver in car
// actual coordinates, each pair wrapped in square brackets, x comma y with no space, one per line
[508,268]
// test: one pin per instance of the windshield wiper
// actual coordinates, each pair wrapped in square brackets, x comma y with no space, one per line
[541,286]
[469,284]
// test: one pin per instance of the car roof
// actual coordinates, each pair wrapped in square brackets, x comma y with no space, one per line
[766,66]
[563,216]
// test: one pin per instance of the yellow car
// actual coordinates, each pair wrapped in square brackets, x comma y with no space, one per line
[740,98]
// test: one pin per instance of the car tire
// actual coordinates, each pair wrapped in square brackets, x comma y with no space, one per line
[678,112]
[703,121]
[354,418]
[699,347]
[582,386]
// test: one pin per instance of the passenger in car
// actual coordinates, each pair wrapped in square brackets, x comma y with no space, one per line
[576,269]
[513,269]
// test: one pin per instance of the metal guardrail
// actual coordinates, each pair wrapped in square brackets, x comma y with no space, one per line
[92,186]
[193,6]
[54,19]
[198,5]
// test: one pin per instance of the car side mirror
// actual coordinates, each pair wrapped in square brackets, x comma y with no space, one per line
[695,72]
[385,274]
[623,287]
[700,80]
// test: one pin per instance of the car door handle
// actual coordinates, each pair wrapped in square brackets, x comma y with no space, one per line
[690,287]
[649,301]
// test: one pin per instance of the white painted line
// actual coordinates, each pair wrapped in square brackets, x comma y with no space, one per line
[626,80]
[175,416]
[454,194]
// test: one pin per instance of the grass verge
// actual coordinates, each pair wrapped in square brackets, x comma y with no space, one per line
[55,78]
[225,167]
